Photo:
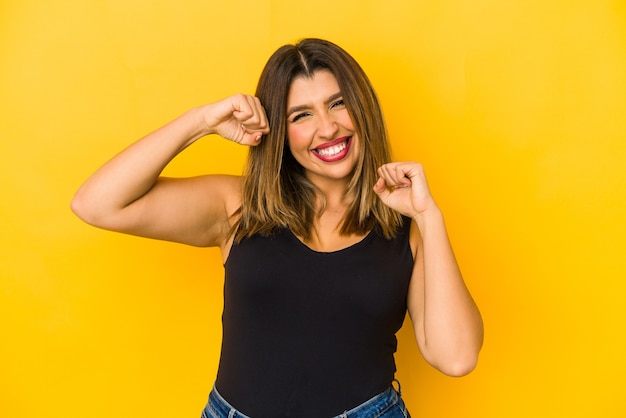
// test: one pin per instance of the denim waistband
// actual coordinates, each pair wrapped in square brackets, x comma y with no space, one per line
[374,407]
[220,407]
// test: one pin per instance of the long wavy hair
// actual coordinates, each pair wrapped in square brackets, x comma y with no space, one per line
[276,192]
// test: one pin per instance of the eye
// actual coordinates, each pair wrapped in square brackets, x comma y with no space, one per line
[337,103]
[299,116]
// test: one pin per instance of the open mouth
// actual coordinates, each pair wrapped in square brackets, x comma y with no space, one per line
[333,151]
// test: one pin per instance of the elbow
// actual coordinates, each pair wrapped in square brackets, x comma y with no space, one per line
[77,207]
[83,210]
[460,357]
[460,367]
[455,363]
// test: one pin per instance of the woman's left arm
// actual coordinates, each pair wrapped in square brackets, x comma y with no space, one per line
[448,326]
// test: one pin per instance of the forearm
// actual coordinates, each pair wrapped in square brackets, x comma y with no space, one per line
[134,171]
[451,326]
[448,326]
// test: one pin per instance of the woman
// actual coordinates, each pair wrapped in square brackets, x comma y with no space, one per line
[325,243]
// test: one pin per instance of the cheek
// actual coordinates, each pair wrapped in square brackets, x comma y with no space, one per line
[296,138]
[347,121]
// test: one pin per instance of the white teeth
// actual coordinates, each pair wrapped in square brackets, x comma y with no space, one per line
[332,151]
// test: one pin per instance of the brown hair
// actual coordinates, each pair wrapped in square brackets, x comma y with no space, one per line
[276,192]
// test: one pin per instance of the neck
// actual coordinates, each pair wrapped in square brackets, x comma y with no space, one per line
[332,191]
[333,199]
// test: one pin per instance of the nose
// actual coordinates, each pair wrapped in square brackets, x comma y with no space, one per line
[327,127]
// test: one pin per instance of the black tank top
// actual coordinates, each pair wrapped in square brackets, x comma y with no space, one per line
[311,334]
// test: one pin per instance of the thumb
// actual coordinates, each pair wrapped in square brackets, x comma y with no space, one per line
[251,138]
[380,188]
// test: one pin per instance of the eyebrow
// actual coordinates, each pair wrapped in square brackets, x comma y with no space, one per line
[299,108]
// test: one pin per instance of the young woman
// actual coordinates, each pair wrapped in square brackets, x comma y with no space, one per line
[325,242]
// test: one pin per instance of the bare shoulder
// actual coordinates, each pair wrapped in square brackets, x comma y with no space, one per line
[217,199]
[227,187]
[197,211]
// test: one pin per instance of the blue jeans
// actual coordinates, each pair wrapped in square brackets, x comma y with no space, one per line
[388,404]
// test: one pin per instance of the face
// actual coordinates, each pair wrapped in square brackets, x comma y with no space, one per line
[321,135]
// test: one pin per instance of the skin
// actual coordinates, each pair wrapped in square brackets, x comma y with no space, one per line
[128,195]
[322,118]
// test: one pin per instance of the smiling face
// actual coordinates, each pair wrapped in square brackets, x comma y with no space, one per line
[320,132]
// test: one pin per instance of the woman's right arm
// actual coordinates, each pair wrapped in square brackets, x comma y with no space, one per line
[128,195]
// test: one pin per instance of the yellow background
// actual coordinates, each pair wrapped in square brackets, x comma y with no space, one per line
[517,109]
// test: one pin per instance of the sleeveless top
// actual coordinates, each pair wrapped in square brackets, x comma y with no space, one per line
[307,333]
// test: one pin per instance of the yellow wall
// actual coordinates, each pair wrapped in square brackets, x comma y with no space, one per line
[516,108]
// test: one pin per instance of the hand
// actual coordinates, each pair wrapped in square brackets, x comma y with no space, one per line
[402,186]
[239,118]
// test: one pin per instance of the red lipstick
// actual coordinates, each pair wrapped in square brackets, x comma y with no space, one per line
[335,150]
